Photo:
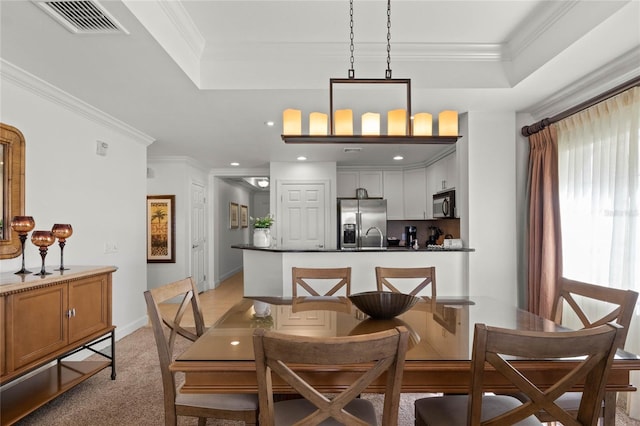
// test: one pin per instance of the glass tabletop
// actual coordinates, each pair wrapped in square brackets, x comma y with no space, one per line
[440,330]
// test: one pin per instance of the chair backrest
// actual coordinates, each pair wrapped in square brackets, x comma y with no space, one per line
[428,276]
[621,302]
[299,277]
[381,352]
[593,347]
[186,291]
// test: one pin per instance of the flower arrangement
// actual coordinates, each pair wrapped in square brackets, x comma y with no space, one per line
[262,222]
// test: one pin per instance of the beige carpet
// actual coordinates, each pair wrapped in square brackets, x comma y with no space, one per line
[135,397]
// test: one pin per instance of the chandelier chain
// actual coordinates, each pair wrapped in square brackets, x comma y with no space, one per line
[388,72]
[352,73]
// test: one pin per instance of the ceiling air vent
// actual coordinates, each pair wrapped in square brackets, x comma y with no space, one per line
[347,150]
[82,17]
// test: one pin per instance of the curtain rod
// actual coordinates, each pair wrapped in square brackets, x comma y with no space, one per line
[536,127]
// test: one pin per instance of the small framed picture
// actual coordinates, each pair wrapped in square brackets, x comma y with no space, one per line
[233,215]
[161,229]
[244,216]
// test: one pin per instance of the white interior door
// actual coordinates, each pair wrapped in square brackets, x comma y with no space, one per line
[303,215]
[198,239]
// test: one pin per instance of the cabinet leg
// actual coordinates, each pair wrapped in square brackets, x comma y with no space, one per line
[113,355]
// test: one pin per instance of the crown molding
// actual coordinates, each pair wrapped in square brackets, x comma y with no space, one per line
[177,159]
[184,25]
[49,92]
[536,25]
[622,69]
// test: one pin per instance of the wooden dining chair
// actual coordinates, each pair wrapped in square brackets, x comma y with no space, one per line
[593,350]
[397,275]
[619,306]
[239,407]
[286,356]
[307,278]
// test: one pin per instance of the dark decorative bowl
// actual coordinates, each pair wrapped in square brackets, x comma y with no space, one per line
[383,304]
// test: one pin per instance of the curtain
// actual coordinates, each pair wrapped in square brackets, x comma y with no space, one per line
[545,262]
[599,183]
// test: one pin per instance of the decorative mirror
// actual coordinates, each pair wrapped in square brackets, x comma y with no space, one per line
[12,170]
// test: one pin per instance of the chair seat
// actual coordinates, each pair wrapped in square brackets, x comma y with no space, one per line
[451,410]
[290,411]
[230,402]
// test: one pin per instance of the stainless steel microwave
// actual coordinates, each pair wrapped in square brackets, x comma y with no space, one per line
[444,204]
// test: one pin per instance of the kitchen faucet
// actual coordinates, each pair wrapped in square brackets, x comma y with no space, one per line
[379,232]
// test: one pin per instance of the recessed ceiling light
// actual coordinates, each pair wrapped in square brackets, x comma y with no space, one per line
[398,157]
[235,343]
[234,164]
[269,123]
[302,158]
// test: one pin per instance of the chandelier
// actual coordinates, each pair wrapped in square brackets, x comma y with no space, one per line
[402,126]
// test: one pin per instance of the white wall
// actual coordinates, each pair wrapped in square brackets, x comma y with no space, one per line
[491,146]
[174,176]
[103,198]
[226,260]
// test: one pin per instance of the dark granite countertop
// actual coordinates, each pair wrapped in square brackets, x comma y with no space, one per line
[333,250]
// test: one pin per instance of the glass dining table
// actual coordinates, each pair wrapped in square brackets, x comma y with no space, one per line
[438,359]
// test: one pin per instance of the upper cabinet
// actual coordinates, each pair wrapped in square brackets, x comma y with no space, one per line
[347,181]
[393,185]
[441,175]
[415,193]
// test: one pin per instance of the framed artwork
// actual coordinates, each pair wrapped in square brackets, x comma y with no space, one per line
[244,216]
[161,229]
[233,215]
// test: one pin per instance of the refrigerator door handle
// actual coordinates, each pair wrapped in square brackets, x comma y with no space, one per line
[358,229]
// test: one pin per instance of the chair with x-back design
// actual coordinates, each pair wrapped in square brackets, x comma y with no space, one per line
[390,279]
[591,349]
[243,407]
[287,356]
[338,278]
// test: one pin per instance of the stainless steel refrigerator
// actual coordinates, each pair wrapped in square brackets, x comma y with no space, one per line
[362,223]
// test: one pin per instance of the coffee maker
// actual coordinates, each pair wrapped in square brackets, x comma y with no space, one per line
[434,234]
[411,235]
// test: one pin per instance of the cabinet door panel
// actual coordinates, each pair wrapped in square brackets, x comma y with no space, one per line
[89,299]
[36,324]
[415,194]
[394,194]
[372,182]
[346,183]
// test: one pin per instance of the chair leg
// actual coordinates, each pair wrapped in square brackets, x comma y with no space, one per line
[609,409]
[202,421]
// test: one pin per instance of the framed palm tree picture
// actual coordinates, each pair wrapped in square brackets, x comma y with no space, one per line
[161,229]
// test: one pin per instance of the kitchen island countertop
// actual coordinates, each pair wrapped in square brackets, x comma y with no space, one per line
[356,250]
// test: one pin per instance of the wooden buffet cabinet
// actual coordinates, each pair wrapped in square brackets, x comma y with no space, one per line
[46,319]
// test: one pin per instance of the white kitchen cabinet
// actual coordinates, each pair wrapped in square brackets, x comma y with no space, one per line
[347,181]
[393,186]
[441,175]
[372,182]
[415,193]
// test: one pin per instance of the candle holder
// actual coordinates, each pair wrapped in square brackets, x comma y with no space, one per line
[61,232]
[22,225]
[43,239]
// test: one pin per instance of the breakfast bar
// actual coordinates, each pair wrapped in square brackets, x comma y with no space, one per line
[267,271]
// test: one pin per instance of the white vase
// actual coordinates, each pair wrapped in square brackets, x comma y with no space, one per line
[261,237]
